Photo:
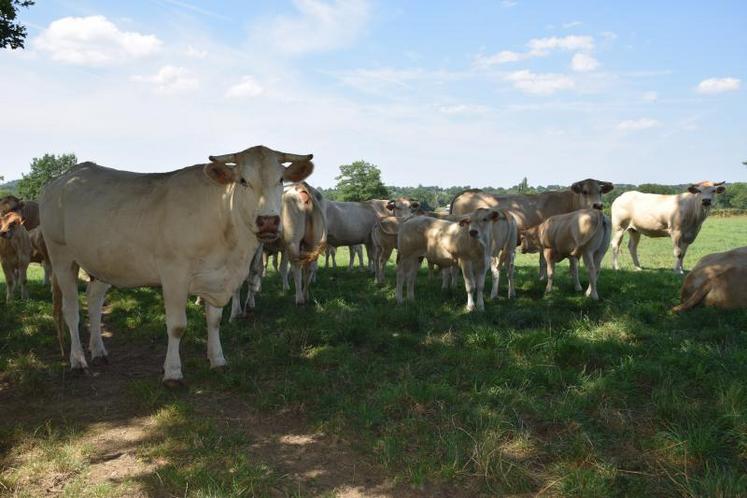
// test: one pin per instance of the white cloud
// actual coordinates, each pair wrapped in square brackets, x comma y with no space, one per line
[462,109]
[638,124]
[541,46]
[93,41]
[718,85]
[572,24]
[539,84]
[319,26]
[170,80]
[584,63]
[247,87]
[650,96]
[195,53]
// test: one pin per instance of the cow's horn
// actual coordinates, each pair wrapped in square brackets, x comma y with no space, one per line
[285,157]
[720,183]
[225,158]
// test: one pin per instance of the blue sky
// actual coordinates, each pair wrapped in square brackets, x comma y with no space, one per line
[449,93]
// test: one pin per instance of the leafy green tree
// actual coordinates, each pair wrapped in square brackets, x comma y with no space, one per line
[43,170]
[12,33]
[360,181]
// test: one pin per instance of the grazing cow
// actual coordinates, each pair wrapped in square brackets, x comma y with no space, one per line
[532,209]
[254,284]
[718,280]
[677,216]
[29,210]
[190,231]
[39,252]
[15,253]
[583,233]
[303,237]
[465,243]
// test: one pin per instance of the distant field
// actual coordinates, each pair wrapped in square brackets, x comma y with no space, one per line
[354,394]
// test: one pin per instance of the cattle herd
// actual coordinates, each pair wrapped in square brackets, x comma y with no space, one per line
[206,229]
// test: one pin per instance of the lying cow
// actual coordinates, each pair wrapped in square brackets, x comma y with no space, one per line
[15,253]
[583,233]
[718,280]
[464,243]
[654,215]
[134,229]
[303,237]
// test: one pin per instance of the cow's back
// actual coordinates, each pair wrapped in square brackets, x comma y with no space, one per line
[718,280]
[569,234]
[349,223]
[650,214]
[527,210]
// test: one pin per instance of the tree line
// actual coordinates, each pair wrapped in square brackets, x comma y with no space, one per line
[361,180]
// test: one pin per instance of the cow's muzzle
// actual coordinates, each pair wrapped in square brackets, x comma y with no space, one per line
[598,205]
[706,202]
[6,235]
[474,233]
[268,228]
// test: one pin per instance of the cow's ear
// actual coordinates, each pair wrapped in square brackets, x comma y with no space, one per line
[720,189]
[576,187]
[223,158]
[390,205]
[693,189]
[414,204]
[494,215]
[464,222]
[221,173]
[298,171]
[606,187]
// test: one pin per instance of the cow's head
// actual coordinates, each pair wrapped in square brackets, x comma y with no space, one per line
[529,240]
[479,223]
[10,203]
[589,192]
[402,207]
[706,191]
[260,171]
[9,223]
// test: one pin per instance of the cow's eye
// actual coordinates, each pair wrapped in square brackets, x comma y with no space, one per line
[281,180]
[243,181]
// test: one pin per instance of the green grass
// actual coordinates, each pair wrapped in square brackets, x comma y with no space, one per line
[558,395]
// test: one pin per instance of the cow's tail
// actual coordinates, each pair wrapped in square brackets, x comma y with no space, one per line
[694,299]
[59,321]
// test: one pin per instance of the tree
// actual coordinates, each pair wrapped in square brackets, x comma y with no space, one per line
[360,181]
[44,170]
[12,33]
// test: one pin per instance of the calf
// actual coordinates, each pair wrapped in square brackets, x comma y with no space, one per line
[384,232]
[718,280]
[29,210]
[464,243]
[15,253]
[583,233]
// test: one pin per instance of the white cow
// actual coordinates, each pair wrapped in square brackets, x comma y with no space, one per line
[192,231]
[677,216]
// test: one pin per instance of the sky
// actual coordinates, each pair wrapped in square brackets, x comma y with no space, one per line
[433,92]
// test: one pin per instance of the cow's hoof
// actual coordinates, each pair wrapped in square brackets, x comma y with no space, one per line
[81,372]
[98,361]
[174,384]
[220,369]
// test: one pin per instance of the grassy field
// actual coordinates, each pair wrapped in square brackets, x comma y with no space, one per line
[354,395]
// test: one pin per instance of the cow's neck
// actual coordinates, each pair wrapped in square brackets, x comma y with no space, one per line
[692,213]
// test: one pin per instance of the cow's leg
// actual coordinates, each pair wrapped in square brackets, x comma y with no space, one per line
[22,269]
[371,252]
[617,237]
[308,278]
[634,237]
[213,315]
[680,248]
[445,276]
[236,310]
[542,266]
[593,271]
[175,300]
[67,280]
[479,271]
[573,261]
[550,269]
[412,273]
[298,282]
[47,271]
[284,270]
[384,254]
[508,258]
[359,252]
[10,280]
[95,294]
[401,279]
[495,270]
[469,282]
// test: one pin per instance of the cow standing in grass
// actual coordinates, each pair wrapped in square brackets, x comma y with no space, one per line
[584,233]
[655,215]
[15,253]
[193,231]
[384,232]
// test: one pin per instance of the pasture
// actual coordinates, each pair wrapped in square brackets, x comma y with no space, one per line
[354,395]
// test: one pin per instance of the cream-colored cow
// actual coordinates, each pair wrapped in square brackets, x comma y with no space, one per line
[384,232]
[677,216]
[464,243]
[584,233]
[718,280]
[193,231]
[15,253]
